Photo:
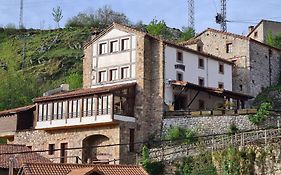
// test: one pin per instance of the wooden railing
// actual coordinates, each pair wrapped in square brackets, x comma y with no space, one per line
[170,151]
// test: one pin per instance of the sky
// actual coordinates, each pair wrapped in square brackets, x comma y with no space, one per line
[241,13]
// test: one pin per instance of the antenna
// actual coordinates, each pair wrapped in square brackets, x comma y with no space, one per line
[191,23]
[221,17]
[21,15]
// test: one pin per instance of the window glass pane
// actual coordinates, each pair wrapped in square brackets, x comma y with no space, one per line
[113,46]
[125,45]
[125,72]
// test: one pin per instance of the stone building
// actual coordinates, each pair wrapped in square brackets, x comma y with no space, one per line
[257,65]
[130,79]
[261,31]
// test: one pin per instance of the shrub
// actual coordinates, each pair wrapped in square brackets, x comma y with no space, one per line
[182,135]
[152,167]
[261,114]
[233,129]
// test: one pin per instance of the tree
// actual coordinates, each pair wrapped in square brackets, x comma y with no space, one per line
[273,40]
[99,19]
[159,28]
[57,15]
[187,33]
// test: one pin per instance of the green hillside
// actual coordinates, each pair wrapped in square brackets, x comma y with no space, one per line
[34,61]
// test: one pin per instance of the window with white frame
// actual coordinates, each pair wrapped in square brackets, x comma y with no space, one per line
[102,76]
[113,74]
[125,44]
[113,46]
[125,73]
[102,48]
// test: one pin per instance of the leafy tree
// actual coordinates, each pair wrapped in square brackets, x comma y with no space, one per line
[187,33]
[10,26]
[74,80]
[99,19]
[57,15]
[159,28]
[261,114]
[273,40]
[152,167]
[16,89]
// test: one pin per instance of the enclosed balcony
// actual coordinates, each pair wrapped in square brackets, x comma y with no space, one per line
[86,107]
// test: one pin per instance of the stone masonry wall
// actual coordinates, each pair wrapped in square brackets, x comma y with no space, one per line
[87,66]
[265,68]
[40,140]
[208,125]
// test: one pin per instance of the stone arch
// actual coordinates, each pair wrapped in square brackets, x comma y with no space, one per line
[91,153]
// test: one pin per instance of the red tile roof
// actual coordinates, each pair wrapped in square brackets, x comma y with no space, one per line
[16,110]
[84,92]
[80,169]
[21,158]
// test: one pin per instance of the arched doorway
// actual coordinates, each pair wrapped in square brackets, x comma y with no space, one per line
[93,154]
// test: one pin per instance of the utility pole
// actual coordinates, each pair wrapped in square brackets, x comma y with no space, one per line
[191,23]
[21,26]
[221,17]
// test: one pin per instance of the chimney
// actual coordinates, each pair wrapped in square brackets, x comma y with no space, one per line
[95,33]
[251,28]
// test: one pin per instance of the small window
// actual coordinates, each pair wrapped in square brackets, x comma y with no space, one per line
[229,48]
[179,76]
[221,68]
[125,72]
[132,140]
[201,63]
[113,75]
[241,87]
[102,48]
[63,152]
[201,104]
[201,81]
[256,34]
[179,57]
[51,149]
[199,48]
[113,46]
[30,147]
[125,45]
[220,85]
[102,76]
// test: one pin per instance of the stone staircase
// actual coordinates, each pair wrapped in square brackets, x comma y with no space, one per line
[170,152]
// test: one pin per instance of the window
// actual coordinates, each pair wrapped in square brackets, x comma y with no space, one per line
[102,76]
[132,140]
[125,72]
[199,48]
[113,75]
[241,87]
[201,105]
[201,81]
[179,76]
[229,48]
[63,153]
[51,149]
[125,45]
[256,34]
[221,68]
[221,85]
[102,48]
[29,147]
[179,57]
[113,46]
[201,63]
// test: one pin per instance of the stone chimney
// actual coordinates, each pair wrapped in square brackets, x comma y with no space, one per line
[95,33]
[251,28]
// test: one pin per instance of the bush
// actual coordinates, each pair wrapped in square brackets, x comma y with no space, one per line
[152,167]
[182,135]
[233,129]
[261,114]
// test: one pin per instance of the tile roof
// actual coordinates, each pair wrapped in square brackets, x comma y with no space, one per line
[20,159]
[85,92]
[80,169]
[215,91]
[16,110]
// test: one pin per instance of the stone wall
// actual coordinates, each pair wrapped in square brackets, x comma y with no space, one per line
[208,125]
[87,66]
[40,140]
[264,66]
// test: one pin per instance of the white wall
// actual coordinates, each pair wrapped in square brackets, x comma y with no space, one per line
[117,59]
[210,73]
